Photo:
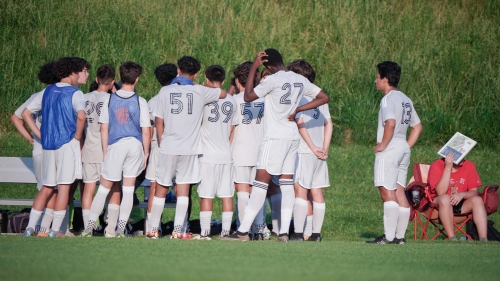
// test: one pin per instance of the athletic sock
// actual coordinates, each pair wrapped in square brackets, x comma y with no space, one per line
[58,219]
[226,223]
[259,221]
[113,212]
[243,198]
[39,222]
[205,218]
[180,213]
[65,223]
[403,219]
[254,205]
[148,222]
[318,216]
[96,207]
[85,215]
[156,211]
[299,214]
[34,217]
[308,228]
[47,220]
[391,214]
[275,202]
[287,202]
[125,208]
[185,225]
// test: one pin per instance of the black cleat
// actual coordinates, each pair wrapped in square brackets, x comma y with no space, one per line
[380,240]
[283,238]
[297,237]
[399,241]
[314,238]
[257,237]
[237,236]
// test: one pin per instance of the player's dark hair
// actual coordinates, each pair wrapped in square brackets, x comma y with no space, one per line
[273,58]
[93,86]
[83,63]
[47,74]
[189,65]
[233,81]
[66,66]
[391,71]
[105,74]
[264,73]
[303,68]
[165,73]
[129,71]
[241,72]
[215,73]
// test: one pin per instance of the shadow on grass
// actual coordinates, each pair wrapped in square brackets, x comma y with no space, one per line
[368,234]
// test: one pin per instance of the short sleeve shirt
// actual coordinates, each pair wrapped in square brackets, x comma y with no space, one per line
[92,148]
[218,118]
[283,91]
[181,108]
[464,179]
[314,121]
[37,145]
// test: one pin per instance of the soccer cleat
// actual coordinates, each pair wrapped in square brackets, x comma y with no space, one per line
[109,234]
[258,237]
[176,236]
[380,240]
[237,236]
[297,237]
[42,234]
[152,235]
[186,236]
[399,241]
[283,238]
[120,235]
[86,234]
[29,232]
[59,234]
[200,237]
[314,238]
[52,233]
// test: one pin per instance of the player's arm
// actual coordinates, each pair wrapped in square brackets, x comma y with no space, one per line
[80,124]
[305,136]
[159,129]
[28,118]
[146,142]
[104,138]
[19,123]
[328,135]
[390,125]
[250,94]
[444,182]
[414,134]
[231,135]
[223,94]
[320,99]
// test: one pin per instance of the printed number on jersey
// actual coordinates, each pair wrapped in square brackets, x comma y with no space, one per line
[178,100]
[226,108]
[288,88]
[406,115]
[248,113]
[90,108]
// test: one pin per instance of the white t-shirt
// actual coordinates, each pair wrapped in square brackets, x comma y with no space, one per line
[37,145]
[92,148]
[314,121]
[152,104]
[249,131]
[144,117]
[181,108]
[218,118]
[396,105]
[283,91]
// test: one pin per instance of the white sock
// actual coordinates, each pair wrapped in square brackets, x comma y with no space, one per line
[318,216]
[243,198]
[96,207]
[403,219]
[254,205]
[34,217]
[299,214]
[65,223]
[308,228]
[185,225]
[287,202]
[259,222]
[47,220]
[58,219]
[85,215]
[275,202]
[205,218]
[226,223]
[39,222]
[113,212]
[391,214]
[125,208]
[180,213]
[148,222]
[156,211]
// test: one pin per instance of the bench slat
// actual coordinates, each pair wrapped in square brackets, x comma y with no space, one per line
[17,170]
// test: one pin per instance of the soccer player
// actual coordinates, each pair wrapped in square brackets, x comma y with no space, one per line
[63,106]
[125,137]
[311,172]
[219,119]
[392,152]
[277,152]
[179,114]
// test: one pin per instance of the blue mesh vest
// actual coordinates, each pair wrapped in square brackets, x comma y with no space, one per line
[124,118]
[59,118]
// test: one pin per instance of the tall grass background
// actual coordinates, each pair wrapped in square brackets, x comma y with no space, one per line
[448,51]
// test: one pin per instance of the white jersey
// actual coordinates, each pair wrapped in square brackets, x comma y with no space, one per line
[152,104]
[181,108]
[314,121]
[283,91]
[218,118]
[249,132]
[92,148]
[396,105]
[37,145]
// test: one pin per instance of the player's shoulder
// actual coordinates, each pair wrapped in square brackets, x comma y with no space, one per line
[229,98]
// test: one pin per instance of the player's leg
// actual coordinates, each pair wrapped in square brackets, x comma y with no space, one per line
[404,206]
[318,213]
[48,216]
[243,176]
[180,209]
[62,199]
[445,214]
[274,195]
[127,202]
[299,212]
[36,211]
[113,209]
[227,215]
[308,227]
[206,190]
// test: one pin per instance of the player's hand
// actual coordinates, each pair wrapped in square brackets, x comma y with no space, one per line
[456,198]
[260,58]
[448,161]
[291,117]
[325,153]
[379,148]
[32,141]
[318,152]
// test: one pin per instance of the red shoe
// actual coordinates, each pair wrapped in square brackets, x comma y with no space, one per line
[186,236]
[176,236]
[152,235]
[59,234]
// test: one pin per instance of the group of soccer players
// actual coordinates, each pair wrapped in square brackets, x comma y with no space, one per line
[269,137]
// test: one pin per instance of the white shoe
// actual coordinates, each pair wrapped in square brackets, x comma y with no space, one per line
[199,237]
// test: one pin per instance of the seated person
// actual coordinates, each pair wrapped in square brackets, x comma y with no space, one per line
[454,188]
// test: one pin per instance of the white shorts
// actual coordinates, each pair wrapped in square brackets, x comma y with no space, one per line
[37,165]
[216,179]
[125,160]
[277,157]
[63,165]
[91,172]
[391,167]
[153,159]
[184,168]
[244,174]
[311,172]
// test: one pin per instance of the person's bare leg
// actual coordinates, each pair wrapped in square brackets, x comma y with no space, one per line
[476,205]
[308,227]
[445,214]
